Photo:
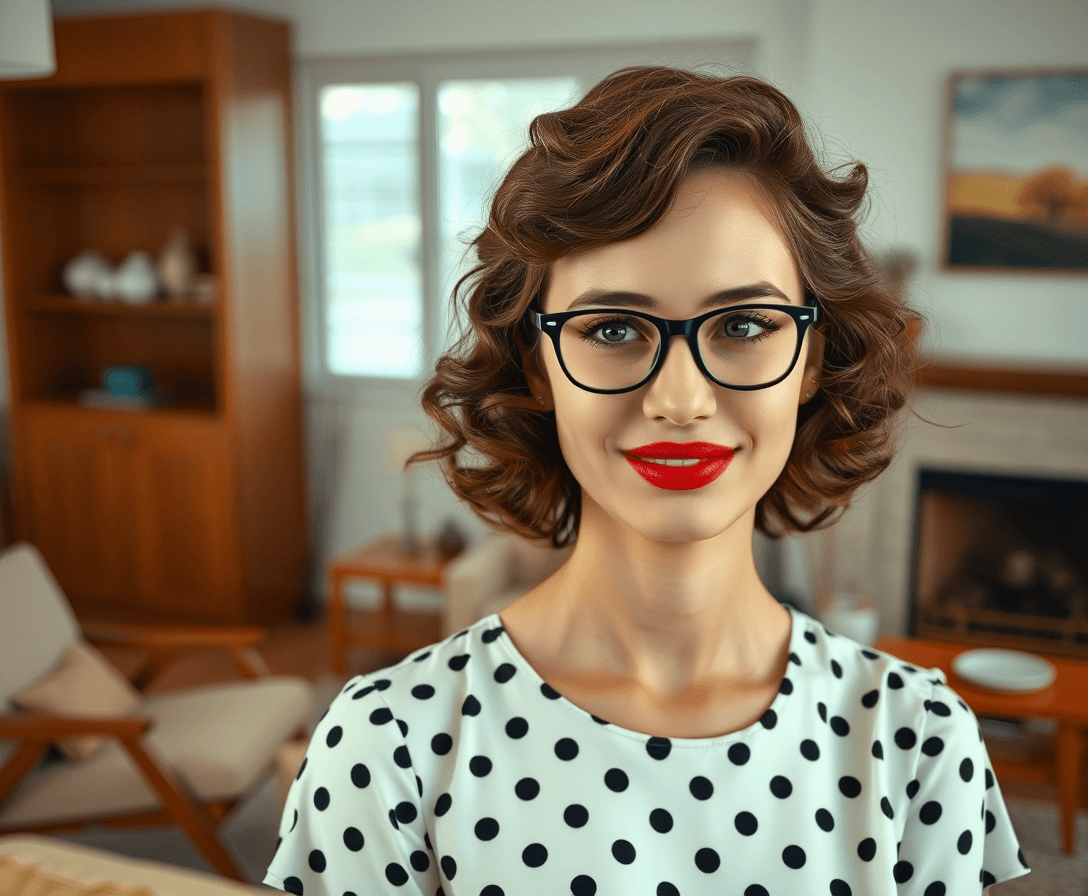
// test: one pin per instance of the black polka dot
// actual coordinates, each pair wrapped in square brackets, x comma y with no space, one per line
[527,789]
[423,692]
[707,860]
[292,885]
[623,851]
[301,768]
[396,875]
[932,746]
[480,766]
[912,788]
[825,820]
[534,855]
[939,708]
[769,719]
[822,710]
[566,749]
[321,799]
[867,849]
[849,786]
[449,867]
[930,813]
[840,726]
[442,805]
[353,839]
[583,885]
[441,744]
[870,699]
[886,807]
[894,681]
[967,770]
[963,844]
[746,823]
[419,860]
[575,815]
[661,821]
[701,788]
[471,706]
[905,738]
[786,687]
[840,887]
[504,673]
[937,888]
[486,829]
[739,754]
[836,669]
[810,750]
[878,750]
[658,748]
[756,890]
[616,780]
[406,812]
[902,872]
[781,787]
[793,857]
[517,728]
[991,822]
[316,860]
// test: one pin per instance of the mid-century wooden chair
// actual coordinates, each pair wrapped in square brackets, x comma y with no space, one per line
[184,757]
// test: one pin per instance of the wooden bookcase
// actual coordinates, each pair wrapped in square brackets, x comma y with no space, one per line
[194,511]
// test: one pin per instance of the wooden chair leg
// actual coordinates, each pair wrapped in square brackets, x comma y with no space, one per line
[190,815]
[21,762]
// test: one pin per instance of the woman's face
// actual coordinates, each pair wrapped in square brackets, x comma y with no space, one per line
[716,237]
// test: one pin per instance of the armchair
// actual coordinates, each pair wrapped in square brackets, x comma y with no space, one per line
[183,758]
[493,574]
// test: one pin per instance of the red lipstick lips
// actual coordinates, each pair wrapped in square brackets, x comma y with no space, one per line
[711,463]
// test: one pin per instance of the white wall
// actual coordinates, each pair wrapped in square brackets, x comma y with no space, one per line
[868,74]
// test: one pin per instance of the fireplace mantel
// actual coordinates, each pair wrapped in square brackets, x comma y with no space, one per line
[987,377]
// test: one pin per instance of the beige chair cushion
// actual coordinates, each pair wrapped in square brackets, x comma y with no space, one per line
[96,867]
[17,879]
[250,718]
[83,683]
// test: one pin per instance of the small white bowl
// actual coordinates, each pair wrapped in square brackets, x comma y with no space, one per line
[1009,671]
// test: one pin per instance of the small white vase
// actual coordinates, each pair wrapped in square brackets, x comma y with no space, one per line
[84,274]
[136,281]
[177,265]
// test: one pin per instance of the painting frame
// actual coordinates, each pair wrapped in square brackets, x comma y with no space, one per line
[1014,184]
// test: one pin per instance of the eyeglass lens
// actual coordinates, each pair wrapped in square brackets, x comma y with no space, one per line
[747,347]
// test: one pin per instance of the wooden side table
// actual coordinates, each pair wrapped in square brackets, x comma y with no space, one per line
[389,627]
[1064,701]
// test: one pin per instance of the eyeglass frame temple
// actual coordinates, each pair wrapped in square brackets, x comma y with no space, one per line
[668,328]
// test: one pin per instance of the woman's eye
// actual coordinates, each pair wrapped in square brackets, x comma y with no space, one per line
[745,328]
[614,331]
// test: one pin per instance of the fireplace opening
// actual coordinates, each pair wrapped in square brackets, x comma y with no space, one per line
[1001,561]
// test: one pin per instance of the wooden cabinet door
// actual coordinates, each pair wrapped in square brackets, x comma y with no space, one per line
[77,512]
[183,526]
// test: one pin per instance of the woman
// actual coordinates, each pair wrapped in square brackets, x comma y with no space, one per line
[674,337]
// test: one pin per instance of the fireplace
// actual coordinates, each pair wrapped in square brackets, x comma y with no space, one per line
[1000,561]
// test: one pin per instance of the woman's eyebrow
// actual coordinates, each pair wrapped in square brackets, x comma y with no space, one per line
[641,300]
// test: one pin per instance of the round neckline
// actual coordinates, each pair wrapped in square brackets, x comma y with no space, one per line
[778,705]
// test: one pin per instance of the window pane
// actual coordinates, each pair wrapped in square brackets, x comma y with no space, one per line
[373,285]
[483,126]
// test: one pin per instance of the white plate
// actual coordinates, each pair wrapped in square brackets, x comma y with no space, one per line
[1011,671]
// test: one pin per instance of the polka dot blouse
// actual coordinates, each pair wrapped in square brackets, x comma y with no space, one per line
[459,771]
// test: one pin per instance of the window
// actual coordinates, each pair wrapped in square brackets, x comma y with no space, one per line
[402,157]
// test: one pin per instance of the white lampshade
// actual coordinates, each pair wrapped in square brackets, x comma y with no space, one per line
[26,39]
[400,444]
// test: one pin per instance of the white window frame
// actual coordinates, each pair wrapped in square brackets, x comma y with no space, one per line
[428,71]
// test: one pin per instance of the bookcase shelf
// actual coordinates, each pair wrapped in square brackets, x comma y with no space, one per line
[62,303]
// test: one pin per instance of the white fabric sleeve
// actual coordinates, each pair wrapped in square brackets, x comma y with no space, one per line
[958,837]
[353,821]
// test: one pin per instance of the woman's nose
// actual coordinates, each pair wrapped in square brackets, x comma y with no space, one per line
[679,391]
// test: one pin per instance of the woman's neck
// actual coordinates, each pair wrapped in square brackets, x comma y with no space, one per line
[666,617]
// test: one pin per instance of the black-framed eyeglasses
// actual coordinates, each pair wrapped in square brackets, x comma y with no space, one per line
[744,347]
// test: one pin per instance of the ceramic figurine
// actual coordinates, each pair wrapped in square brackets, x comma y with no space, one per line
[83,275]
[136,280]
[177,265]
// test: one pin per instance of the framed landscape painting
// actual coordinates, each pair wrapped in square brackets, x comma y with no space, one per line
[1016,171]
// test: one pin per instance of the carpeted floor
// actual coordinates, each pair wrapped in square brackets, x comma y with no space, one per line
[251,834]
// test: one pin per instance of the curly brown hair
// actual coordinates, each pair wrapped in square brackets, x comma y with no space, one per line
[605,170]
